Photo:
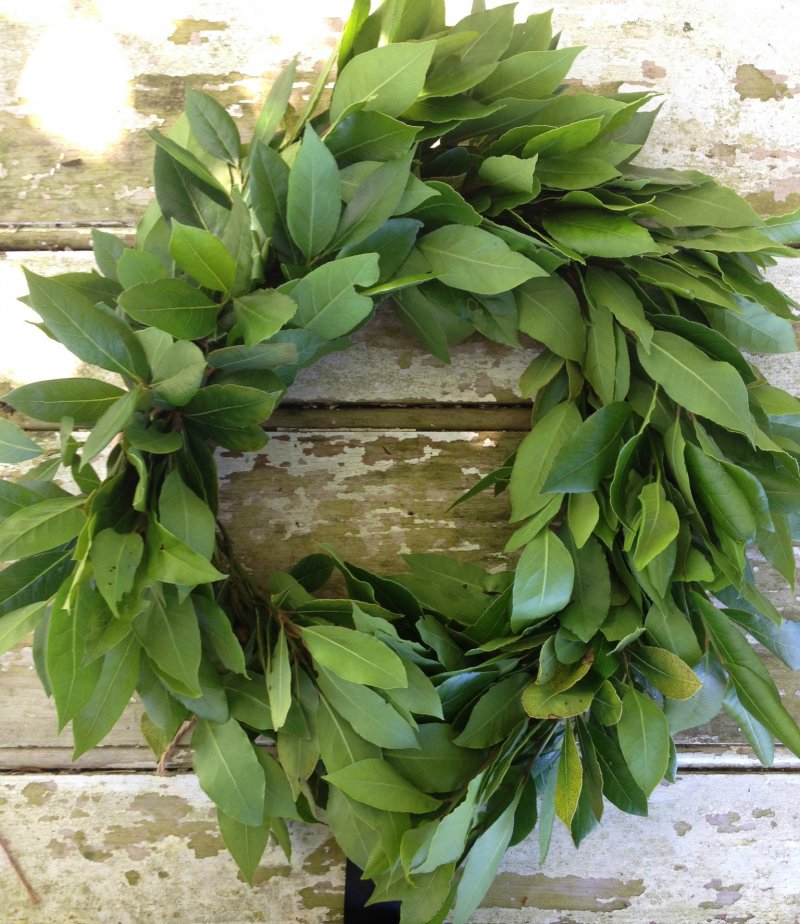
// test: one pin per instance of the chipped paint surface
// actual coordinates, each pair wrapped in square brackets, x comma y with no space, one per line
[121,849]
[480,371]
[723,84]
[126,849]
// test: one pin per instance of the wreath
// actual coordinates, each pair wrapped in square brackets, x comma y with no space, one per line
[434,717]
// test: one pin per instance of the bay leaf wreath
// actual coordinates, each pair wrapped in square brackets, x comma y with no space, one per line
[437,715]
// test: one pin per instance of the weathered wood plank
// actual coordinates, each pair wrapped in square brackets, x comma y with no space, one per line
[104,847]
[733,104]
[386,364]
[373,495]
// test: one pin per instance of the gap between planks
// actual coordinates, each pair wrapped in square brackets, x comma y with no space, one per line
[55,236]
[457,418]
[127,759]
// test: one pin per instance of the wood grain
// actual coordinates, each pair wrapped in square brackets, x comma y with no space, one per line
[731,94]
[124,848]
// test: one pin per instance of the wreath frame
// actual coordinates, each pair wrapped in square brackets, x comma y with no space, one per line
[516,213]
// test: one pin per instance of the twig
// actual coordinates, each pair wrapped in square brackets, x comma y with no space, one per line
[161,768]
[32,895]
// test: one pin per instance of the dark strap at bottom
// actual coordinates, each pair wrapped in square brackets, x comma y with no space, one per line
[356,893]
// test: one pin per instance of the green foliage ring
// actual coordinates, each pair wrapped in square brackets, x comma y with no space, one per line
[436,715]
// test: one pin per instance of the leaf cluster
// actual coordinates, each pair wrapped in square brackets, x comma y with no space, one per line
[438,715]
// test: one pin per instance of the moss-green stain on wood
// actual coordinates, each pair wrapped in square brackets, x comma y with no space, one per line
[753,83]
[190,31]
[562,893]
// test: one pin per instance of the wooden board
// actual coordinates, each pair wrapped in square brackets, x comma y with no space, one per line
[385,366]
[373,495]
[731,92]
[132,848]
[359,458]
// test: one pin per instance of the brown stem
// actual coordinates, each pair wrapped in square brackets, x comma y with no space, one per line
[32,894]
[161,768]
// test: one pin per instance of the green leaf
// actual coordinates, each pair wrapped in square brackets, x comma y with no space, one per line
[644,739]
[108,249]
[574,171]
[92,332]
[203,256]
[84,400]
[529,75]
[374,782]
[15,625]
[542,701]
[589,454]
[185,159]
[782,640]
[387,79]
[169,633]
[275,104]
[666,671]
[374,202]
[225,412]
[728,506]
[613,293]
[115,558]
[328,303]
[754,686]
[212,126]
[475,260]
[172,305]
[420,696]
[482,864]
[758,736]
[15,444]
[137,266]
[355,656]
[535,456]
[174,562]
[112,694]
[369,136]
[187,517]
[704,386]
[314,196]
[246,843]
[269,185]
[703,705]
[598,233]
[279,681]
[658,526]
[41,527]
[543,581]
[339,744]
[228,770]
[569,779]
[114,420]
[178,373]
[591,597]
[619,787]
[71,681]
[33,578]
[549,312]
[248,701]
[583,513]
[496,713]
[369,714]
[217,632]
[706,205]
[756,329]
[607,706]
[438,764]
[261,314]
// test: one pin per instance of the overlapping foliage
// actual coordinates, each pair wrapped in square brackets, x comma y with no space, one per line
[439,714]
